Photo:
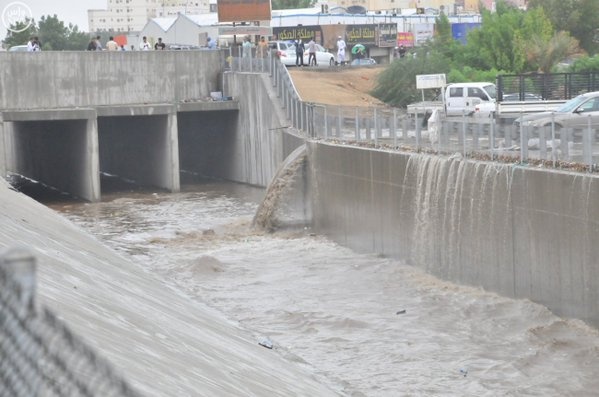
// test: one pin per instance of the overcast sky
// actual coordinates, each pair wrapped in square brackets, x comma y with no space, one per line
[68,11]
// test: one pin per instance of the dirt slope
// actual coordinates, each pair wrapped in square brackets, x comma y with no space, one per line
[337,86]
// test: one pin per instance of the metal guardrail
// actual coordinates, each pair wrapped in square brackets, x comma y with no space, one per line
[481,138]
[551,86]
[39,354]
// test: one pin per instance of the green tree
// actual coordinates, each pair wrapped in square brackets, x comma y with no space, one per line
[396,85]
[586,64]
[18,35]
[492,46]
[76,40]
[290,4]
[547,54]
[53,33]
[579,17]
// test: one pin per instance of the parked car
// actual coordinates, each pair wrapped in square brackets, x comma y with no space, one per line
[285,51]
[183,47]
[18,48]
[363,62]
[323,56]
[528,96]
[573,114]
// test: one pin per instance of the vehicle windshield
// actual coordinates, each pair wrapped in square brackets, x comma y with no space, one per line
[491,90]
[571,104]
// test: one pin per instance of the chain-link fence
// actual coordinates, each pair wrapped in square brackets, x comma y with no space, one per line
[552,145]
[39,355]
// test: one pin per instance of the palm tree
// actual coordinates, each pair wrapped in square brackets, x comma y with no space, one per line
[546,54]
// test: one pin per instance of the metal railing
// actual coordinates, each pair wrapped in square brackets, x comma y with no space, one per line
[574,148]
[39,354]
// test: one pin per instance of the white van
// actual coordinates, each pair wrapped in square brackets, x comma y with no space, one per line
[471,99]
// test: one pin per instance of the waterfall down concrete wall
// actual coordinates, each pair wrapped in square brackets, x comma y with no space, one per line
[519,231]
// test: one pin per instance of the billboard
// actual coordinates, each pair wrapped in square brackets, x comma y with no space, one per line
[423,32]
[360,34]
[459,31]
[405,38]
[243,10]
[298,32]
[387,35]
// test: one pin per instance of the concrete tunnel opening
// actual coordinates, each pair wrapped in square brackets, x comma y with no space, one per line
[140,150]
[56,153]
[206,144]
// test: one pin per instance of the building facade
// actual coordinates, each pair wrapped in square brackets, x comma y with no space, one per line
[132,15]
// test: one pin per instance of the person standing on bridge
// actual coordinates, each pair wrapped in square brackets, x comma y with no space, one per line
[341,50]
[144,45]
[159,46]
[247,47]
[312,52]
[299,52]
[262,48]
[112,45]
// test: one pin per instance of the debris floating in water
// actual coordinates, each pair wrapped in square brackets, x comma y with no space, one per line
[401,312]
[265,342]
[464,371]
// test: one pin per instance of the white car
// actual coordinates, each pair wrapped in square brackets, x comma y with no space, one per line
[323,56]
[285,51]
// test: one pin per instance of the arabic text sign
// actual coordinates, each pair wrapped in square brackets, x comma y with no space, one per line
[405,38]
[245,30]
[243,10]
[387,34]
[300,32]
[361,34]
[424,81]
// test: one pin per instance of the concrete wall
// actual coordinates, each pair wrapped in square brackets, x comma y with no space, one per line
[259,146]
[2,147]
[521,232]
[80,79]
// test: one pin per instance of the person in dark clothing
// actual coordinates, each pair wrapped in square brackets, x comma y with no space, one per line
[159,45]
[299,53]
[92,45]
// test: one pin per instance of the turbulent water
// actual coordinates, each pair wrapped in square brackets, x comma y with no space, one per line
[368,326]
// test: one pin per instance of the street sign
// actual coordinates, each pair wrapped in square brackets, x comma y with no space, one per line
[424,81]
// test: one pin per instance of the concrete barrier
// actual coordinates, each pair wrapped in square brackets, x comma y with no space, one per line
[53,79]
[518,231]
[262,139]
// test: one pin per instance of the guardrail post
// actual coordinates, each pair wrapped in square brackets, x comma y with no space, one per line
[587,147]
[18,266]
[564,140]
[553,145]
[357,124]
[326,123]
[302,114]
[543,143]
[339,134]
[463,137]
[524,132]
[394,127]
[375,121]
[492,139]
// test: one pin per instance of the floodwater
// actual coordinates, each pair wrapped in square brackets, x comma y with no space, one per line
[366,325]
